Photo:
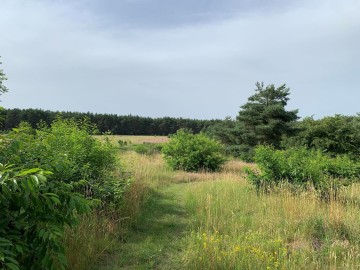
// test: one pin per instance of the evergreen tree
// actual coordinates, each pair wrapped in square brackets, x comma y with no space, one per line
[263,119]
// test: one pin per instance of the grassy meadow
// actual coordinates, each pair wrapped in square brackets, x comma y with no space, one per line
[182,220]
[114,139]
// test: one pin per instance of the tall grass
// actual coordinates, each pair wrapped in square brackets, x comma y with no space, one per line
[90,240]
[230,226]
[236,229]
[98,233]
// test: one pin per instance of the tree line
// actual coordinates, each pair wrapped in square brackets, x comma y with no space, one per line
[262,120]
[116,124]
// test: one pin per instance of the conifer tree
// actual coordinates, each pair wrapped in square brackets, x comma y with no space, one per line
[263,119]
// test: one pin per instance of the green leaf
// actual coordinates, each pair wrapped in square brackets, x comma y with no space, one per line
[55,199]
[19,249]
[12,260]
[12,266]
[41,178]
[14,185]
[29,172]
[35,180]
[4,242]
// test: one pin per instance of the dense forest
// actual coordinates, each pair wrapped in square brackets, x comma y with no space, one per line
[116,124]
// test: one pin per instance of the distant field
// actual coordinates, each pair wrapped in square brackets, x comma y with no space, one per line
[134,139]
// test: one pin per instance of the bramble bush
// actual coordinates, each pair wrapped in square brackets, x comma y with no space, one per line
[193,152]
[302,167]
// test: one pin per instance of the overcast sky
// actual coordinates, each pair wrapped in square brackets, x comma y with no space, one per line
[189,58]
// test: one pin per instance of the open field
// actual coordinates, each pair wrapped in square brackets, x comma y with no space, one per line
[134,139]
[217,221]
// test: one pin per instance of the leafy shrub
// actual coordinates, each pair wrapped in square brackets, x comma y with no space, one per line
[302,167]
[335,135]
[110,189]
[69,151]
[148,148]
[35,209]
[33,215]
[191,152]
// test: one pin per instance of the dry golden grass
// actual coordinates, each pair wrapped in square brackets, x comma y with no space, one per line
[134,139]
[154,171]
[148,169]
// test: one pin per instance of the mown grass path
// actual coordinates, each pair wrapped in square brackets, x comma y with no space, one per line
[156,241]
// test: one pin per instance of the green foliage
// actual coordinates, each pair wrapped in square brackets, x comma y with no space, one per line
[228,133]
[33,215]
[302,167]
[148,148]
[3,88]
[334,135]
[35,209]
[224,131]
[191,152]
[263,119]
[2,117]
[69,151]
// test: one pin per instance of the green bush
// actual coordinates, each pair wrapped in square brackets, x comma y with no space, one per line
[35,209]
[334,135]
[67,149]
[302,167]
[33,216]
[189,152]
[148,148]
